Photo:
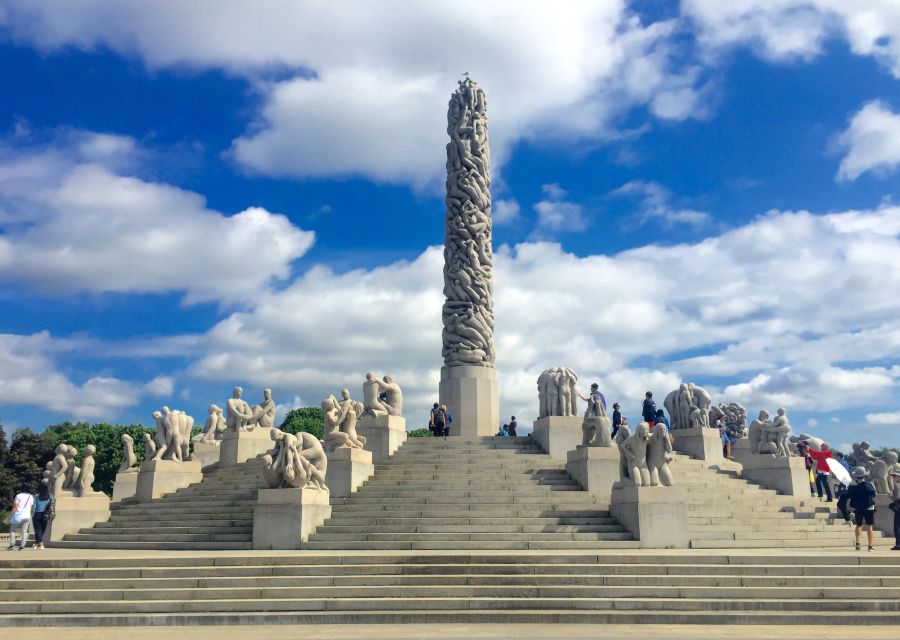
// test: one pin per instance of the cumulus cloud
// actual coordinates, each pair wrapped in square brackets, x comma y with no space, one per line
[891,419]
[871,142]
[556,215]
[76,220]
[505,211]
[654,203]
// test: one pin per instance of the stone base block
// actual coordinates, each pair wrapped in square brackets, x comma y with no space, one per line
[347,469]
[657,516]
[208,452]
[159,477]
[595,469]
[384,435]
[701,443]
[240,446]
[285,518]
[785,475]
[74,514]
[884,517]
[740,450]
[557,435]
[125,485]
[472,396]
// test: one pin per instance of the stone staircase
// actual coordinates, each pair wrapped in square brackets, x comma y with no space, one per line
[216,513]
[620,586]
[492,493]
[726,511]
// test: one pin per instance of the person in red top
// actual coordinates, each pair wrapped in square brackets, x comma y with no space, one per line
[820,458]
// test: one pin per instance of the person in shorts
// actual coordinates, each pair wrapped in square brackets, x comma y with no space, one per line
[862,500]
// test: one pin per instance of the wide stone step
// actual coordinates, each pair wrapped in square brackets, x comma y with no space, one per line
[178,528]
[326,534]
[162,546]
[373,523]
[103,535]
[487,545]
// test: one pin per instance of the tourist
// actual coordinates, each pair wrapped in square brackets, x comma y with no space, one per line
[20,518]
[727,439]
[513,425]
[649,411]
[820,460]
[616,419]
[442,421]
[504,431]
[862,501]
[661,418]
[44,511]
[434,408]
[803,450]
[895,505]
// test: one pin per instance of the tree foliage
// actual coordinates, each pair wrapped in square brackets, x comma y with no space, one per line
[308,419]
[424,432]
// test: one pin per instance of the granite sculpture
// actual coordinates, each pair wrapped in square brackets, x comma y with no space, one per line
[237,412]
[635,448]
[149,446]
[263,414]
[381,397]
[129,460]
[812,442]
[58,471]
[468,313]
[340,423]
[622,435]
[735,417]
[83,484]
[296,461]
[878,467]
[557,395]
[214,428]
[173,429]
[72,470]
[659,455]
[688,407]
[770,437]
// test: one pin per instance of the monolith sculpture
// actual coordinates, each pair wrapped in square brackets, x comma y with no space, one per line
[468,378]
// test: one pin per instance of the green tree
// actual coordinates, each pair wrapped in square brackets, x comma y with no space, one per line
[308,419]
[424,432]
[26,459]
[4,446]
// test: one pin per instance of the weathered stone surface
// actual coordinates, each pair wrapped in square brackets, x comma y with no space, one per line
[125,485]
[347,469]
[787,475]
[557,435]
[699,442]
[159,477]
[383,435]
[656,516]
[285,518]
[239,446]
[595,469]
[207,452]
[76,513]
[472,396]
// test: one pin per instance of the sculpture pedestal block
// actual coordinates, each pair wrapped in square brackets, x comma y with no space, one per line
[785,475]
[159,477]
[383,434]
[125,485]
[472,396]
[207,452]
[657,516]
[884,517]
[285,518]
[74,514]
[240,446]
[347,469]
[595,469]
[557,435]
[740,450]
[701,443]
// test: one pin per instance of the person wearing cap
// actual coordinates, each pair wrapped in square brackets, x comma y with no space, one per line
[862,501]
[895,505]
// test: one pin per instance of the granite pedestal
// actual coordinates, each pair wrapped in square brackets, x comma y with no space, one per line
[125,485]
[208,452]
[240,446]
[788,476]
[384,435]
[557,435]
[701,443]
[472,396]
[347,469]
[285,518]
[884,517]
[596,469]
[740,450]
[159,477]
[656,516]
[74,514]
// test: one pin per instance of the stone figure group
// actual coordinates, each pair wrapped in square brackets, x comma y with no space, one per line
[214,429]
[340,422]
[66,478]
[173,433]
[381,397]
[734,415]
[879,467]
[468,313]
[645,455]
[240,416]
[688,407]
[296,461]
[557,395]
[770,436]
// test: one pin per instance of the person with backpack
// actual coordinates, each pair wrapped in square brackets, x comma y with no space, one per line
[861,496]
[44,512]
[20,518]
[649,410]
[442,421]
[895,505]
[431,418]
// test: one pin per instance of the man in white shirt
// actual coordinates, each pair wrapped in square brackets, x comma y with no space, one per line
[20,518]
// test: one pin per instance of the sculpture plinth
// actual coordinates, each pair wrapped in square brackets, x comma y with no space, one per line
[348,467]
[159,477]
[207,452]
[786,475]
[74,514]
[384,435]
[557,435]
[125,485]
[701,443]
[240,446]
[472,396]
[596,469]
[656,516]
[285,518]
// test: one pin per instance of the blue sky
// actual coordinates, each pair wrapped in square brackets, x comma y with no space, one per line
[194,196]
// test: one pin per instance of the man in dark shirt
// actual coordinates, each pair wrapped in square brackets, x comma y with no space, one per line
[649,412]
[616,419]
[512,426]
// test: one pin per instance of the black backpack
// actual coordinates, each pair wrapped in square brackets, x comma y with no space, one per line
[439,418]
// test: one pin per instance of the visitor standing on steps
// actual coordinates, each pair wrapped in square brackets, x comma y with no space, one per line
[895,506]
[862,501]
[431,418]
[20,518]
[823,480]
[44,511]
[512,426]
[649,412]
[442,421]
[616,419]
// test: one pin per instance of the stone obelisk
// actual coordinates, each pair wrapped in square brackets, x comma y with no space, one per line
[468,378]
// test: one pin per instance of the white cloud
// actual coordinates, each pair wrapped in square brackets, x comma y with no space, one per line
[72,222]
[891,419]
[505,211]
[655,205]
[871,142]
[160,386]
[556,214]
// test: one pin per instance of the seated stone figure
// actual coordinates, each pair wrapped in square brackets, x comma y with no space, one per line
[340,424]
[659,455]
[595,432]
[215,426]
[237,411]
[72,470]
[391,396]
[129,460]
[149,445]
[635,448]
[297,461]
[263,414]
[373,405]
[83,485]
[881,472]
